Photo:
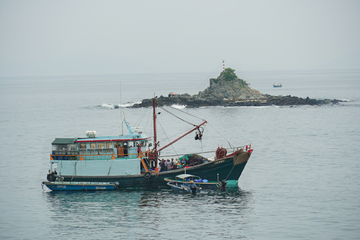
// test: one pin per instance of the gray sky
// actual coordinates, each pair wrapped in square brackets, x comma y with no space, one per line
[119,37]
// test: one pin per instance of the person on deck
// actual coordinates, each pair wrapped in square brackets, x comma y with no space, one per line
[139,151]
[193,186]
[173,164]
[165,165]
[168,165]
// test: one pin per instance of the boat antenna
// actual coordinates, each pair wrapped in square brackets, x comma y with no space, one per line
[121,118]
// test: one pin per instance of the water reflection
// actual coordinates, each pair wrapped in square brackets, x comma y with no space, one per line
[148,214]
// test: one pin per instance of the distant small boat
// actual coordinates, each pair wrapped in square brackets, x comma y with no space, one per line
[80,186]
[277,85]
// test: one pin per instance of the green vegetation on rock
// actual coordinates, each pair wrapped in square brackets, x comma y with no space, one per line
[228,86]
[229,75]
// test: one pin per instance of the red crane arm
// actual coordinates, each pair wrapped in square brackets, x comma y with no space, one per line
[182,136]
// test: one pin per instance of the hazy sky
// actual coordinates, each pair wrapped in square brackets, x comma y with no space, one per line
[117,37]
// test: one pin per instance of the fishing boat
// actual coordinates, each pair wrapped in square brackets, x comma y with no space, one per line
[277,85]
[132,160]
[202,183]
[184,186]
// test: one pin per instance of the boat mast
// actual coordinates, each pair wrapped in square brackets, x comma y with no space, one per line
[155,140]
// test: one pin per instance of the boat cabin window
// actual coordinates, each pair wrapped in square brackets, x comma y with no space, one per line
[59,147]
[82,145]
[92,145]
[64,147]
[101,145]
[71,147]
[109,145]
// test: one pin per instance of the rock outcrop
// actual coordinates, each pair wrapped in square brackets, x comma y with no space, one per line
[229,90]
[229,87]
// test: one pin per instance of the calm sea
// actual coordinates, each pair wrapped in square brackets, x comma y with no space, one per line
[302,181]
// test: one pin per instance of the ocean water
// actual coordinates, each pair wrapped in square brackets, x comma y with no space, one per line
[302,181]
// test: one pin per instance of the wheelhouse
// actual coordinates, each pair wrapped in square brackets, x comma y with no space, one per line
[106,155]
[98,148]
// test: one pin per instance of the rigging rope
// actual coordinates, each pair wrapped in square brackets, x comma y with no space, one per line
[166,136]
[177,116]
[230,172]
[221,135]
[188,113]
[203,120]
[179,133]
[191,123]
[141,117]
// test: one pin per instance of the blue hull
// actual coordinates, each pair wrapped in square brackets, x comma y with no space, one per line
[183,187]
[68,186]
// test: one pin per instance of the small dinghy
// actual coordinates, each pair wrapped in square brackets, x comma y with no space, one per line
[201,183]
[184,187]
[181,185]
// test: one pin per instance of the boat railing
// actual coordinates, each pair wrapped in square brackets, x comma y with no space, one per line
[230,150]
[236,149]
[95,156]
[244,148]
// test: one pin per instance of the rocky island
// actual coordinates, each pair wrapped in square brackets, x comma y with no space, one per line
[229,90]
